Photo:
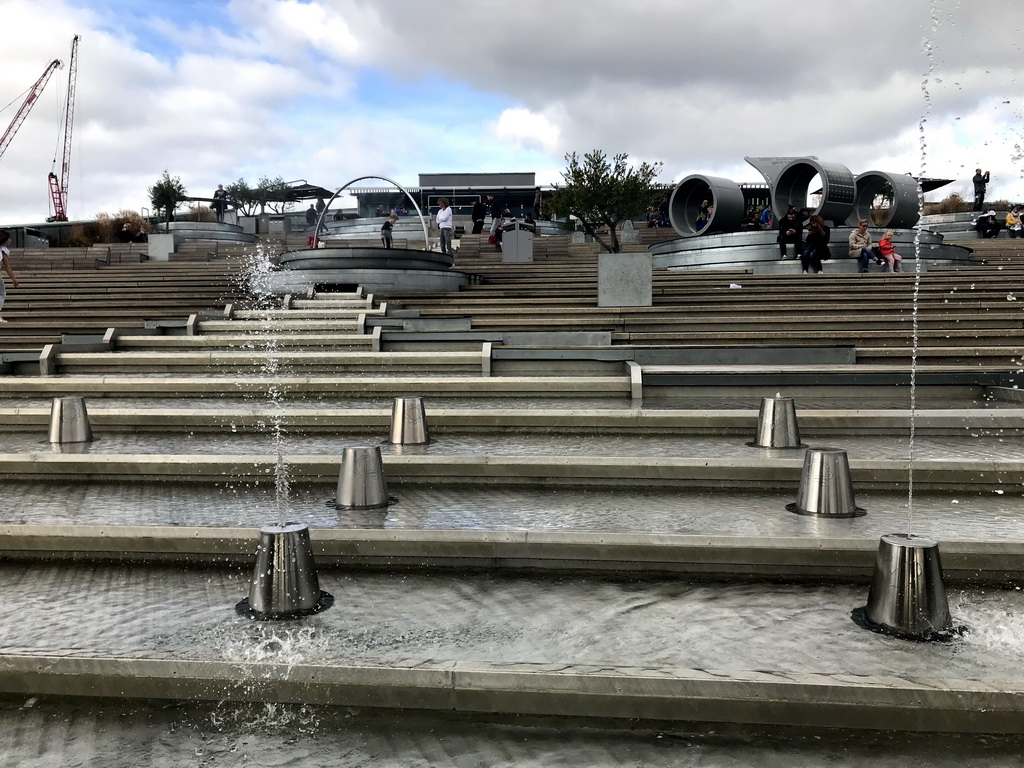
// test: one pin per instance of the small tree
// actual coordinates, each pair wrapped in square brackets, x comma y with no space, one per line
[166,194]
[272,194]
[601,193]
[242,196]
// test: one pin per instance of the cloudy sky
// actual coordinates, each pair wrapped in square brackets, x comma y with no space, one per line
[327,90]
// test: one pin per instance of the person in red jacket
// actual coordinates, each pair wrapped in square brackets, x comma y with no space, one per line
[888,251]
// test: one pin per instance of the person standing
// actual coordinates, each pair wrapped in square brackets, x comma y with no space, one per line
[860,245]
[444,226]
[538,201]
[220,202]
[980,182]
[479,214]
[386,230]
[311,216]
[5,262]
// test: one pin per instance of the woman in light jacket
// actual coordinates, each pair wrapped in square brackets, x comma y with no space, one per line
[860,245]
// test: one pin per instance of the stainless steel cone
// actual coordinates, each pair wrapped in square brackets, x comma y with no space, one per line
[825,486]
[907,595]
[776,424]
[69,421]
[284,581]
[409,422]
[361,483]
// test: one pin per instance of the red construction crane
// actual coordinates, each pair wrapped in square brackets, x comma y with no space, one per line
[26,106]
[59,186]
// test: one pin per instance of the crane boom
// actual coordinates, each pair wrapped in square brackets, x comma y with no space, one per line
[59,186]
[26,106]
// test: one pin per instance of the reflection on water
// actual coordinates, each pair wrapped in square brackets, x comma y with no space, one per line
[50,732]
[143,612]
[895,399]
[971,516]
[971,445]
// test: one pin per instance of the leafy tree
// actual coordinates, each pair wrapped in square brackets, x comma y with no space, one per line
[243,197]
[166,194]
[272,194]
[601,193]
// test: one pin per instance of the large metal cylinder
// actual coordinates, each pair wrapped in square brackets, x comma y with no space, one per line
[723,195]
[69,421]
[284,581]
[409,422]
[361,483]
[838,189]
[907,596]
[826,489]
[903,213]
[776,424]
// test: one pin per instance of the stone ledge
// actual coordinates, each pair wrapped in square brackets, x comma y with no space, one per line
[597,471]
[624,554]
[652,693]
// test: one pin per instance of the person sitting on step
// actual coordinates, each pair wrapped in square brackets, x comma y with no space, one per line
[888,251]
[860,245]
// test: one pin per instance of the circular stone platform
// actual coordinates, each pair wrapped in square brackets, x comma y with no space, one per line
[375,269]
[759,252]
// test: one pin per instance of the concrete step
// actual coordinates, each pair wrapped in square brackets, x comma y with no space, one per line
[255,360]
[548,421]
[319,386]
[255,340]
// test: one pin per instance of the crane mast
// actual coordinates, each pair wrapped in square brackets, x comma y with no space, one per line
[59,186]
[26,106]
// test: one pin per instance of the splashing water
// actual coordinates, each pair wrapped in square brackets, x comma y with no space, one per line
[929,48]
[257,268]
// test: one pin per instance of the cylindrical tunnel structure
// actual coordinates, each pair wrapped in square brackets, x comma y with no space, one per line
[838,189]
[723,195]
[904,210]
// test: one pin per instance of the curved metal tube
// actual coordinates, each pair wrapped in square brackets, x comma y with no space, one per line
[837,189]
[905,211]
[724,195]
[423,221]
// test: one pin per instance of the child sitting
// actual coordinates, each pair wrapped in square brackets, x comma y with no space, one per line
[888,251]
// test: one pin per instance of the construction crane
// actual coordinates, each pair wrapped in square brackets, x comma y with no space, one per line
[26,106]
[59,186]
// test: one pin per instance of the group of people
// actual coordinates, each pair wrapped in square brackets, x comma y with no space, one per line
[125,235]
[813,248]
[884,253]
[988,224]
[657,217]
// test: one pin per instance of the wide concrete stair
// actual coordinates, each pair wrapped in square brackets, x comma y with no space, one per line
[968,324]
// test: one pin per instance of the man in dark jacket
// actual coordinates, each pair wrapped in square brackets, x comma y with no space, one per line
[791,230]
[479,213]
[980,181]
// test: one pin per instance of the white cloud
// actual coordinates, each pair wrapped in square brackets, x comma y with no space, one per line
[527,129]
[331,89]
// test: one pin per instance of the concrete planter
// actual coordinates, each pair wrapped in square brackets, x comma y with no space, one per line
[624,279]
